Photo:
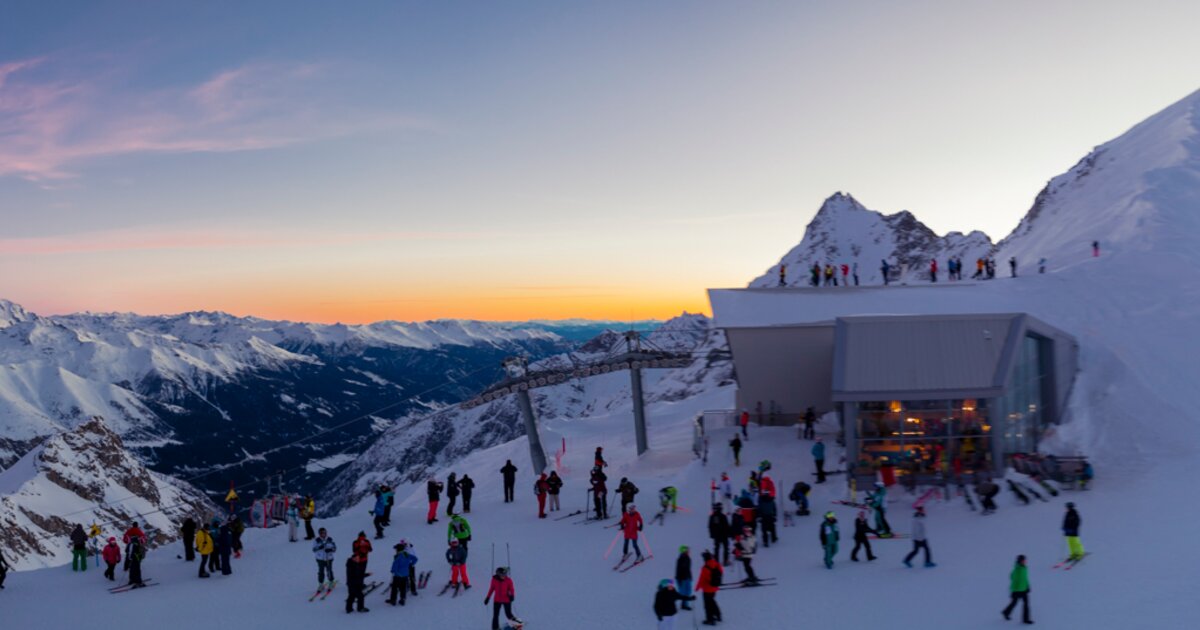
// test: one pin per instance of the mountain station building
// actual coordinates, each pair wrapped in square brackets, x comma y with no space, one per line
[919,394]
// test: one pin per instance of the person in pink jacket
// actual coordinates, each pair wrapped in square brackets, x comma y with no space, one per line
[112,557]
[504,591]
[631,524]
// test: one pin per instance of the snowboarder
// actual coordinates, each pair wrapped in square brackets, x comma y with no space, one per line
[189,539]
[112,557]
[554,485]
[718,530]
[631,524]
[224,547]
[135,552]
[782,275]
[505,593]
[627,491]
[1018,587]
[323,550]
[861,529]
[736,445]
[434,489]
[79,560]
[744,421]
[744,550]
[829,538]
[467,485]
[541,488]
[293,522]
[451,493]
[1012,266]
[878,502]
[356,577]
[919,541]
[307,512]
[799,495]
[459,529]
[510,480]
[711,575]
[664,604]
[987,491]
[1070,528]
[600,492]
[885,268]
[818,453]
[810,421]
[403,566]
[683,574]
[361,547]
[204,547]
[456,555]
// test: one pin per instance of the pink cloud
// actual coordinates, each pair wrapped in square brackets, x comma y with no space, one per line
[47,126]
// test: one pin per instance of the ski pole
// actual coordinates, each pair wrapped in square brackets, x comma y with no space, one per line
[649,552]
[611,545]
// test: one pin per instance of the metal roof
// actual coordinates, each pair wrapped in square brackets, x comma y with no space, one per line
[923,356]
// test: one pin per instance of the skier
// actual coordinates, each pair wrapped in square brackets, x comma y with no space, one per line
[829,538]
[664,604]
[810,420]
[745,513]
[403,566]
[356,576]
[861,529]
[1070,528]
[112,557]
[1012,266]
[387,508]
[885,268]
[1095,249]
[225,547]
[719,531]
[307,513]
[799,495]
[554,485]
[451,493]
[79,560]
[467,485]
[683,575]
[541,488]
[510,479]
[323,550]
[631,524]
[767,515]
[135,552]
[669,497]
[456,555]
[878,502]
[204,546]
[599,458]
[782,275]
[134,532]
[627,491]
[987,491]
[293,522]
[459,529]
[766,485]
[1042,265]
[725,487]
[236,529]
[1018,587]
[818,453]
[744,421]
[736,445]
[599,493]
[744,550]
[361,547]
[434,489]
[189,538]
[709,583]
[919,541]
[502,587]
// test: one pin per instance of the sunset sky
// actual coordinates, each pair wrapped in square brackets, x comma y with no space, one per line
[512,160]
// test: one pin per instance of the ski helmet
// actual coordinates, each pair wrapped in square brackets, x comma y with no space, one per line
[631,509]
[666,584]
[502,571]
[683,549]
[829,515]
[764,465]
[1070,504]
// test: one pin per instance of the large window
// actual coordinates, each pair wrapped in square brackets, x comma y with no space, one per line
[1021,408]
[924,436]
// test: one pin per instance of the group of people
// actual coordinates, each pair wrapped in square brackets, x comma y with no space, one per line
[828,275]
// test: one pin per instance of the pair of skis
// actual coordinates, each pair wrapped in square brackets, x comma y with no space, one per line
[323,590]
[125,588]
[1071,563]
[458,589]
[621,567]
[749,584]
[567,516]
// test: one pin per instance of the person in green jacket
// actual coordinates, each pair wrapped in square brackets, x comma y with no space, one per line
[1019,590]
[459,529]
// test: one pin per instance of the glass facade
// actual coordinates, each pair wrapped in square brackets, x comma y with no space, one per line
[924,437]
[1021,408]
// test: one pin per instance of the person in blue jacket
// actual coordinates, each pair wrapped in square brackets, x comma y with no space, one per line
[878,502]
[401,565]
[818,453]
[380,510]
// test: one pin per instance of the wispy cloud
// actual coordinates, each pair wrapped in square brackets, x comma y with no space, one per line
[49,125]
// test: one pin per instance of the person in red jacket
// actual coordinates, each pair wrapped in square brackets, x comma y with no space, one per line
[362,547]
[541,488]
[745,422]
[708,584]
[134,532]
[112,557]
[502,587]
[631,524]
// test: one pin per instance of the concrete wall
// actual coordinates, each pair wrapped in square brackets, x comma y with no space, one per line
[792,365]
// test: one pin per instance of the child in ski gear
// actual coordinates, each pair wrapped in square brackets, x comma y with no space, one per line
[459,530]
[669,497]
[683,574]
[456,555]
[204,547]
[403,566]
[78,549]
[112,557]
[541,489]
[861,529]
[631,524]
[451,493]
[744,550]
[434,489]
[718,530]
[709,583]
[1018,588]
[818,453]
[509,472]
[467,485]
[356,576]
[627,491]
[829,538]
[736,445]
[599,492]
[878,502]
[664,604]
[1070,528]
[919,541]
[554,485]
[799,495]
[323,550]
[188,530]
[505,593]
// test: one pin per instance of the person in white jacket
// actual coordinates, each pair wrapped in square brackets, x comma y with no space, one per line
[919,540]
[293,522]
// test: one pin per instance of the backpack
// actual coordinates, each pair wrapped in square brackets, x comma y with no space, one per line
[714,576]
